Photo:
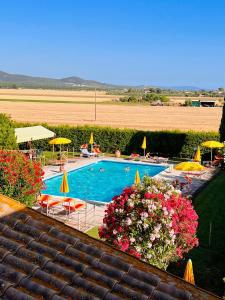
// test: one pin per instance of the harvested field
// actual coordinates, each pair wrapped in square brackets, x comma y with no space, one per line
[55,95]
[122,116]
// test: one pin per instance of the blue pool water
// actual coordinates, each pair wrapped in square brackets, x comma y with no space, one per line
[100,181]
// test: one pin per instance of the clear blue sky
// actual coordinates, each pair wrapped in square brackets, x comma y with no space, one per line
[155,42]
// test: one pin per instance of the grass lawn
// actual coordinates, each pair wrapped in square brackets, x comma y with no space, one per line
[209,258]
[93,232]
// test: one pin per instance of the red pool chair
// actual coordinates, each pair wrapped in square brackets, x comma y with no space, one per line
[47,202]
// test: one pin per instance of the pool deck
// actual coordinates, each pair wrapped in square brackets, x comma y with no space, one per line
[93,213]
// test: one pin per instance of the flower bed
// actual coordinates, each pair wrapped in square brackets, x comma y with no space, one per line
[152,221]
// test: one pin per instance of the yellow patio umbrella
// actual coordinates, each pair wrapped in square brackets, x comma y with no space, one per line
[64,188]
[91,141]
[144,144]
[188,273]
[137,179]
[212,145]
[189,166]
[197,156]
[59,141]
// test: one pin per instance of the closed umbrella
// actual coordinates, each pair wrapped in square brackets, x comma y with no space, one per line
[144,145]
[189,166]
[91,141]
[189,274]
[212,145]
[137,179]
[197,156]
[64,188]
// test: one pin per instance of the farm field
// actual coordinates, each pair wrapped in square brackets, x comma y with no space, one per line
[122,116]
[55,95]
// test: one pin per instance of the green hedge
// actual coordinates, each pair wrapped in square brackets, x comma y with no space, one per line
[172,143]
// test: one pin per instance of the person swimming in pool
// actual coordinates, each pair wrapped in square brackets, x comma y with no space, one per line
[101,170]
[127,169]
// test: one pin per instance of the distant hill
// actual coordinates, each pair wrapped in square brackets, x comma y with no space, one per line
[73,81]
[185,88]
[33,81]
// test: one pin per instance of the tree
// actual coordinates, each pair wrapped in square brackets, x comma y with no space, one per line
[222,124]
[7,133]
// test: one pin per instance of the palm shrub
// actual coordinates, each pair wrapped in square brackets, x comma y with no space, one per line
[20,178]
[7,133]
[152,221]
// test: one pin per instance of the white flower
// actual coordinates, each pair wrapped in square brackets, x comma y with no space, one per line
[171,232]
[114,231]
[152,237]
[149,245]
[145,226]
[128,221]
[144,215]
[149,256]
[120,210]
[132,240]
[140,239]
[138,248]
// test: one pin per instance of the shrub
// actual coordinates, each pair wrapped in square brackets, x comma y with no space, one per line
[173,143]
[188,102]
[7,133]
[20,178]
[153,222]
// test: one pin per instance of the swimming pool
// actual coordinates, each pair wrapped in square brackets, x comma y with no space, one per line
[100,181]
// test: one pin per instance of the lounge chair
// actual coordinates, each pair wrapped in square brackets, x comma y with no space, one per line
[97,151]
[86,153]
[134,156]
[47,202]
[71,205]
[194,174]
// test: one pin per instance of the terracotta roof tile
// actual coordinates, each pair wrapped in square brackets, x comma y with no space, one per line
[41,258]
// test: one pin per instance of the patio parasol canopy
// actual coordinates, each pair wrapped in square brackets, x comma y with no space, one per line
[189,274]
[212,144]
[33,133]
[197,156]
[137,179]
[91,141]
[60,141]
[64,188]
[189,166]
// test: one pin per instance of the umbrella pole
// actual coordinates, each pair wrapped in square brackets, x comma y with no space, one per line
[144,152]
[211,156]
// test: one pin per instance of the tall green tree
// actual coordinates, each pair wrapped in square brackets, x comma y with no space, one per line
[7,133]
[222,124]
